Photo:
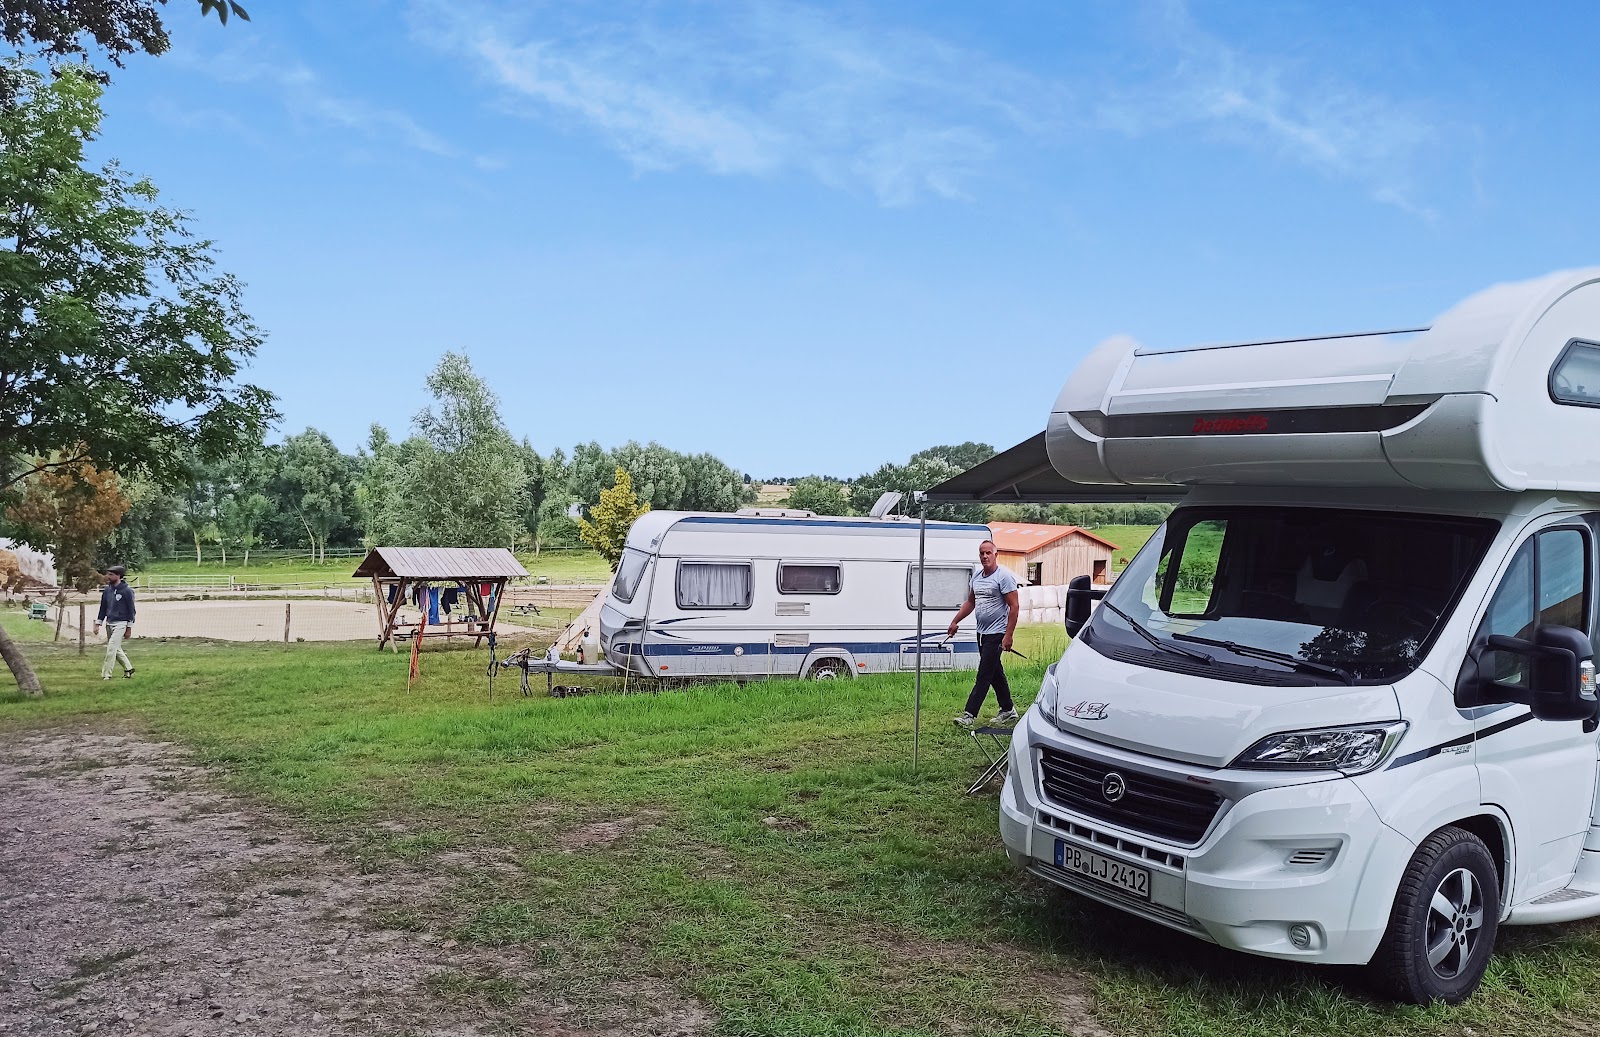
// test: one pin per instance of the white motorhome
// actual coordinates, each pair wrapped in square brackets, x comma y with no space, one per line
[780,593]
[1341,708]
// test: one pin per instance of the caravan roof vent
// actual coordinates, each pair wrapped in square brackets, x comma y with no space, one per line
[776,513]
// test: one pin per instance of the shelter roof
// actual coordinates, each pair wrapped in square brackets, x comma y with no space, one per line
[1026,537]
[441,563]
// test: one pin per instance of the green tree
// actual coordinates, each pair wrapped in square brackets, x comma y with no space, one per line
[119,342]
[606,528]
[317,486]
[462,480]
[924,470]
[711,485]
[656,473]
[149,529]
[589,472]
[820,495]
[58,28]
[961,455]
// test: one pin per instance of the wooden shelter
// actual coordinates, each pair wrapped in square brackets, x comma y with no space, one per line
[477,575]
[1049,556]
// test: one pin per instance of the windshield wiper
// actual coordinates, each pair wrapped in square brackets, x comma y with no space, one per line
[1267,654]
[1165,646]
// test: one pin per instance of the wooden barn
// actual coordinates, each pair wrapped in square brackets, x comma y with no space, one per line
[1049,556]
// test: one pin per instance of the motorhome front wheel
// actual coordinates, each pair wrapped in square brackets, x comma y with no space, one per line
[1442,929]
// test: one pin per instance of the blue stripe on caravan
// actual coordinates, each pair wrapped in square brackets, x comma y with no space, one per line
[763,648]
[908,527]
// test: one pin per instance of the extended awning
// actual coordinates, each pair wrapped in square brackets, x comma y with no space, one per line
[1024,475]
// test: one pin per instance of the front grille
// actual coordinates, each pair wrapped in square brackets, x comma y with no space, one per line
[1156,806]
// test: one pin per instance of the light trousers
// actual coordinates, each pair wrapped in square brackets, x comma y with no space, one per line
[114,652]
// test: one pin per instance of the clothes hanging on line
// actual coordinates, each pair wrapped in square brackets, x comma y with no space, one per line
[447,600]
[433,604]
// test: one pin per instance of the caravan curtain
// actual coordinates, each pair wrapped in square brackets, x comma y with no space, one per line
[713,585]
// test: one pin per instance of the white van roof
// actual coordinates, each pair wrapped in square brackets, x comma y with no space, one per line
[1473,401]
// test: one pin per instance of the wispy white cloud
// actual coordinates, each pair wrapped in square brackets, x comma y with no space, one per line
[1308,116]
[771,87]
[759,88]
[307,96]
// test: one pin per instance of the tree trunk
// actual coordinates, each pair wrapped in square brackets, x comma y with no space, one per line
[27,680]
[197,548]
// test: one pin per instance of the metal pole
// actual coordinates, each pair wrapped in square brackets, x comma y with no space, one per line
[922,578]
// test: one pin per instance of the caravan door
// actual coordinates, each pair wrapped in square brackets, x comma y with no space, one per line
[1540,772]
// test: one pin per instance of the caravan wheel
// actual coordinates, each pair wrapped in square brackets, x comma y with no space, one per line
[827,670]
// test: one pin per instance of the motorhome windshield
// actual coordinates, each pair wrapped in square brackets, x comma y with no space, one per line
[629,572]
[1290,595]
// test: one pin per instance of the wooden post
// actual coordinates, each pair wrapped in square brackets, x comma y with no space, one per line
[286,607]
[379,605]
[499,598]
[82,611]
[387,634]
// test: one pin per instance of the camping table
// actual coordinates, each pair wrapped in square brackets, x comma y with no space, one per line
[993,743]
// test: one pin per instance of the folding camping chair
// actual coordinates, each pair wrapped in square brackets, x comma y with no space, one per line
[993,744]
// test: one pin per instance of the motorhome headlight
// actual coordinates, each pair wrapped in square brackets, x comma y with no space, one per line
[1048,693]
[1349,750]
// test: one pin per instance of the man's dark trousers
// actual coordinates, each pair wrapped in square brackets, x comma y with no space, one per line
[990,673]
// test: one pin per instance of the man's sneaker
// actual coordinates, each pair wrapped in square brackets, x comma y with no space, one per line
[1006,716]
[128,673]
[965,720]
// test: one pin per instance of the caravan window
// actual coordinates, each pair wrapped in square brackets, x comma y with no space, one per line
[713,585]
[946,587]
[629,572]
[1576,377]
[808,578]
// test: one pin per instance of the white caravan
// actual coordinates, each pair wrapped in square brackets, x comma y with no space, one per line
[1341,708]
[784,594]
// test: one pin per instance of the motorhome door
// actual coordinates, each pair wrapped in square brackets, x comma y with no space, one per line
[1541,772]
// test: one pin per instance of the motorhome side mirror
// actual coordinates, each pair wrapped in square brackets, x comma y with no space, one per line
[1081,596]
[1553,674]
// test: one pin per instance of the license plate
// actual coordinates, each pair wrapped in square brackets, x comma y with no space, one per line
[1103,869]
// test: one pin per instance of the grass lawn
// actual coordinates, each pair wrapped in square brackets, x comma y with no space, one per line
[557,567]
[767,849]
[1127,538]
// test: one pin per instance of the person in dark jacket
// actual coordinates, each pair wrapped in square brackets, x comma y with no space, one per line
[117,613]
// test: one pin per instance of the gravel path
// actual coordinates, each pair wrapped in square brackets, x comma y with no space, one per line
[136,900]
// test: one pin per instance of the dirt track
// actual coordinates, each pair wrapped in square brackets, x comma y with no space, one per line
[136,900]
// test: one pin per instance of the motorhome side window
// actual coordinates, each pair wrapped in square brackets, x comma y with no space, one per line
[1576,377]
[629,572]
[945,587]
[713,585]
[1545,584]
[1186,588]
[808,578]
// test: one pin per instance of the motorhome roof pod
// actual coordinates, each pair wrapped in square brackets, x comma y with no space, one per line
[1493,395]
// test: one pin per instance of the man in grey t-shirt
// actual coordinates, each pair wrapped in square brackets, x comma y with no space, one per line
[993,596]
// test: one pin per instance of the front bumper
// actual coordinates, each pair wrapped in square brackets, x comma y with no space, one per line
[1311,853]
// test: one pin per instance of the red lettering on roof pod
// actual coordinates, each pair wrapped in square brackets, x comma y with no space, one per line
[1229,425]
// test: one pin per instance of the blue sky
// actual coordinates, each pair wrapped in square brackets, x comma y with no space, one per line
[816,237]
